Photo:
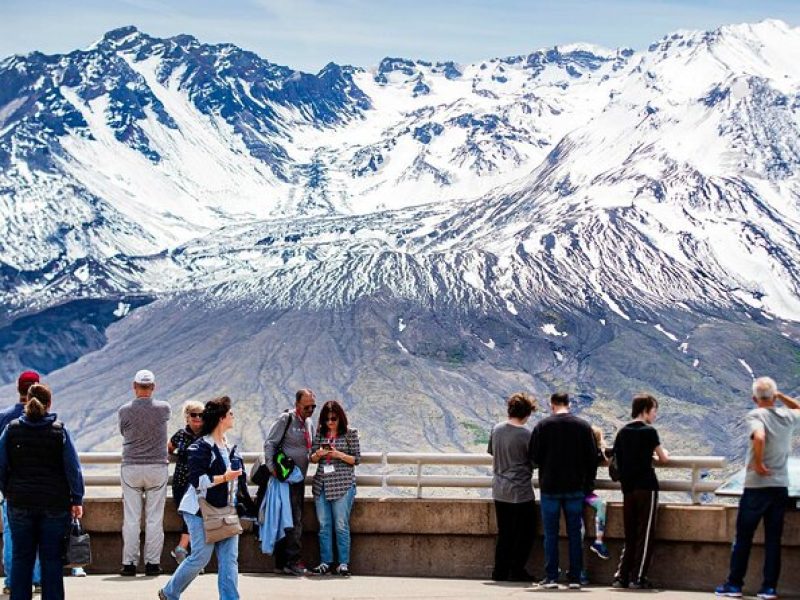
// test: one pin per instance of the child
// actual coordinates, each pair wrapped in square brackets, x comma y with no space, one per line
[599,507]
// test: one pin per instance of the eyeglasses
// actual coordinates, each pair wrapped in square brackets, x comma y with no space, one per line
[332,419]
[196,415]
[310,407]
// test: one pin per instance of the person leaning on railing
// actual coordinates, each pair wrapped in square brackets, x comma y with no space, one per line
[41,478]
[512,490]
[337,451]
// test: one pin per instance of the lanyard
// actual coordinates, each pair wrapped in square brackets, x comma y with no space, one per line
[306,435]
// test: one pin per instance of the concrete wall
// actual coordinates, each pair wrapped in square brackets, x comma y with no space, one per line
[455,538]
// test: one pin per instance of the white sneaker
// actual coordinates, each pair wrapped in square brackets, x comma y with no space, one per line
[78,572]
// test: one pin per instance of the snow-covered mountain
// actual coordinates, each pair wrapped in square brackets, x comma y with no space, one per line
[601,220]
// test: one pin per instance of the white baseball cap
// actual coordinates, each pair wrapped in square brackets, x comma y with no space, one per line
[144,377]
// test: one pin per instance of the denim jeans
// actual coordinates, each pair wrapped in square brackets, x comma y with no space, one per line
[227,561]
[334,514]
[572,506]
[42,530]
[7,545]
[756,504]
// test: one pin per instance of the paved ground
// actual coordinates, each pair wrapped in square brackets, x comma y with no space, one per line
[269,587]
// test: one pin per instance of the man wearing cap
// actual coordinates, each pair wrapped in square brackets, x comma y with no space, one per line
[143,425]
[25,381]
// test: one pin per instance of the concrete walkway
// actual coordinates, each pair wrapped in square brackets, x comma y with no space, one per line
[269,587]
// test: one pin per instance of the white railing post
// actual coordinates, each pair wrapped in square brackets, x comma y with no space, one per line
[695,481]
[384,470]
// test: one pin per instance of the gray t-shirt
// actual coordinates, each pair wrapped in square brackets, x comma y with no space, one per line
[512,467]
[143,425]
[779,423]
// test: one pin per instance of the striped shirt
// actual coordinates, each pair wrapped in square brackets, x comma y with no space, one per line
[343,477]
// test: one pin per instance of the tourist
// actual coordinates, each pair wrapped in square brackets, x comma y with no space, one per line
[143,425]
[178,445]
[562,446]
[336,451]
[216,474]
[633,451]
[41,478]
[770,429]
[293,431]
[25,380]
[512,490]
[598,506]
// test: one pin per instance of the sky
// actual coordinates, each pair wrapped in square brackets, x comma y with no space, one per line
[307,34]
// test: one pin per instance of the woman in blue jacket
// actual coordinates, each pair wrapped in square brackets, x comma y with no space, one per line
[41,479]
[216,474]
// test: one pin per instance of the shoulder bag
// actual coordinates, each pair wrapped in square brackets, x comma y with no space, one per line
[284,464]
[221,523]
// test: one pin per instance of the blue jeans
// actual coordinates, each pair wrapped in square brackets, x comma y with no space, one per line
[227,561]
[42,530]
[334,514]
[756,504]
[572,505]
[7,545]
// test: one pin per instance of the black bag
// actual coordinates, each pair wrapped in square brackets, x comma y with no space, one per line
[77,546]
[259,473]
[284,464]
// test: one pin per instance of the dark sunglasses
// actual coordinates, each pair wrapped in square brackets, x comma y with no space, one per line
[196,415]
[310,406]
[334,419]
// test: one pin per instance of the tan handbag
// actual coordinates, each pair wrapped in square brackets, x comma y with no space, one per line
[220,523]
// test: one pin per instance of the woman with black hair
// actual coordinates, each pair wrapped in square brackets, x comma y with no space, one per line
[41,478]
[215,474]
[337,451]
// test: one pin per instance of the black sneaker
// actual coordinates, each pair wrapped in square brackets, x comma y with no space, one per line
[295,570]
[620,584]
[343,570]
[321,569]
[642,584]
[162,595]
[152,570]
[128,571]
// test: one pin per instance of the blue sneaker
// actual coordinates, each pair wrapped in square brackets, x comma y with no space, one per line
[729,590]
[584,578]
[601,550]
[767,594]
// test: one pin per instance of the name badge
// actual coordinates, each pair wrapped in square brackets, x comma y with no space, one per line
[327,469]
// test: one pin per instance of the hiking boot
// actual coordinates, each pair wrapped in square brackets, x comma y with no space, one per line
[343,570]
[152,570]
[128,571]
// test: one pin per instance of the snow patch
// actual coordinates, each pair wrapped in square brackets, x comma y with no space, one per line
[401,325]
[82,273]
[402,348]
[122,310]
[490,344]
[551,329]
[660,329]
[747,368]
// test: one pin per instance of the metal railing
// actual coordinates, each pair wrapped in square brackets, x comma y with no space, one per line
[695,485]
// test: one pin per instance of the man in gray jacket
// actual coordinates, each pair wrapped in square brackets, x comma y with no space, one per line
[297,440]
[143,425]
